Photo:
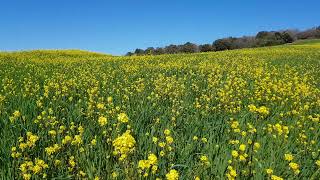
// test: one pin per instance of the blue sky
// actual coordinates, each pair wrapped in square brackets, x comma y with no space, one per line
[119,26]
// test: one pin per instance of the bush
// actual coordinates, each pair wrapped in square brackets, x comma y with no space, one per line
[224,44]
[205,48]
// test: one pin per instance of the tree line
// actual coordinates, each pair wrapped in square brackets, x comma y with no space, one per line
[263,38]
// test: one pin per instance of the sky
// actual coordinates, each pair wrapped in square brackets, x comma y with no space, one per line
[118,26]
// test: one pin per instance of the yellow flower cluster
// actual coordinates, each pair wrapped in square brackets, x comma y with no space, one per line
[145,165]
[122,117]
[52,149]
[278,129]
[15,115]
[292,165]
[30,141]
[260,110]
[102,121]
[172,175]
[204,160]
[124,145]
[28,168]
[232,173]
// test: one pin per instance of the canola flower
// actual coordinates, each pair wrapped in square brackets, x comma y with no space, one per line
[122,117]
[102,121]
[150,163]
[124,145]
[172,175]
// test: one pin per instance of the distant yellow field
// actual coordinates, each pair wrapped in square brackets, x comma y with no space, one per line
[242,114]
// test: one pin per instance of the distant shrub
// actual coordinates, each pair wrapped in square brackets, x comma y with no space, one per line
[206,48]
[188,48]
[224,44]
[263,38]
[171,49]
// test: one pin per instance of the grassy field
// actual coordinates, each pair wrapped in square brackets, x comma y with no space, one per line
[307,42]
[242,114]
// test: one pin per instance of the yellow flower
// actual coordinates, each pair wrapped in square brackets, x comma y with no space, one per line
[52,149]
[93,142]
[81,173]
[39,166]
[195,138]
[122,117]
[242,147]
[57,162]
[269,171]
[109,99]
[114,174]
[242,158]
[80,129]
[162,153]
[288,157]
[204,159]
[26,176]
[52,132]
[234,154]
[294,166]
[31,139]
[102,121]
[152,158]
[167,132]
[36,169]
[100,106]
[154,139]
[256,146]
[274,177]
[172,175]
[154,169]
[66,139]
[16,114]
[318,163]
[144,164]
[162,144]
[232,173]
[77,140]
[72,163]
[204,140]
[123,145]
[169,139]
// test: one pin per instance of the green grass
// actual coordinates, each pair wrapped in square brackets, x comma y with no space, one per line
[307,42]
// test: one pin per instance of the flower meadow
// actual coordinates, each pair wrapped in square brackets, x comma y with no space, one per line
[242,114]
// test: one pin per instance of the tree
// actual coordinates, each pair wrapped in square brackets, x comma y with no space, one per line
[312,33]
[139,52]
[244,42]
[262,38]
[262,35]
[171,49]
[287,38]
[189,48]
[149,51]
[317,35]
[205,48]
[271,38]
[129,54]
[224,44]
[159,51]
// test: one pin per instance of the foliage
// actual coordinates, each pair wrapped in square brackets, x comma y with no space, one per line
[263,38]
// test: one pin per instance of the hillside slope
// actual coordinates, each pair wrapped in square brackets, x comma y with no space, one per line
[242,114]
